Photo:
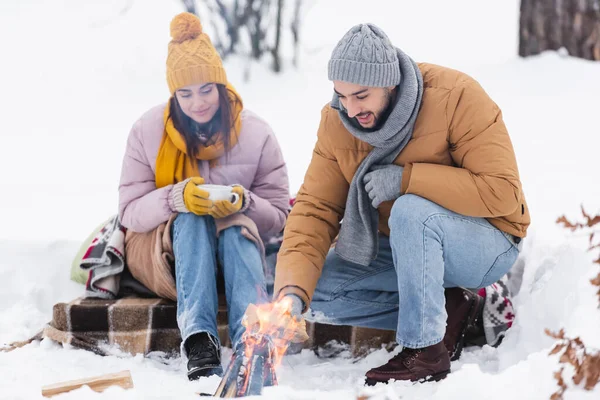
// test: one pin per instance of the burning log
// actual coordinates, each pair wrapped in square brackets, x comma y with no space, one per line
[251,368]
[269,330]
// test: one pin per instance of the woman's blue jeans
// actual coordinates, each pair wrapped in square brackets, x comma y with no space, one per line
[199,257]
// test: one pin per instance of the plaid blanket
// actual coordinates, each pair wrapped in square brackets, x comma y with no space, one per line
[144,325]
[108,327]
[135,325]
[105,260]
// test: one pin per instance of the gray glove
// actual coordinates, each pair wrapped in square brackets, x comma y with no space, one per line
[382,183]
[297,305]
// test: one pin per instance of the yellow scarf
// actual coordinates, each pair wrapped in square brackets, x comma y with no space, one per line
[173,164]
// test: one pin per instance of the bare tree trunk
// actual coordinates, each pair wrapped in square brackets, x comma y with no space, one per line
[553,24]
[260,24]
[255,28]
[251,27]
[275,50]
[231,23]
[295,28]
[190,6]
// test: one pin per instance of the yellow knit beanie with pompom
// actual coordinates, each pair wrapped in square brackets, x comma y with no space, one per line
[192,58]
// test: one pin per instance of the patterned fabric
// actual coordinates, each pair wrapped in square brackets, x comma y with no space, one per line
[498,312]
[143,325]
[105,260]
[105,327]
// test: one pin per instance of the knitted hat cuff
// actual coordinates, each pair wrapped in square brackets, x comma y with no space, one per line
[195,74]
[364,74]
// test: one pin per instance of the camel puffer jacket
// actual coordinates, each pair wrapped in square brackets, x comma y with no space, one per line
[460,156]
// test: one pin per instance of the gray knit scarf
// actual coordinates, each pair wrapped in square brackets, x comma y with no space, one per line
[358,240]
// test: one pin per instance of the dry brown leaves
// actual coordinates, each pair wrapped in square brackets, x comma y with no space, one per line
[586,362]
[588,223]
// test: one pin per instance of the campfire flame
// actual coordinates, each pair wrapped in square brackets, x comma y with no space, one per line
[274,321]
[270,328]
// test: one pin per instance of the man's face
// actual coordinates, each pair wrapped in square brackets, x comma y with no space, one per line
[367,105]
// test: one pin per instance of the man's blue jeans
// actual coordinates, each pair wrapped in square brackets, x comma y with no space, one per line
[198,256]
[430,248]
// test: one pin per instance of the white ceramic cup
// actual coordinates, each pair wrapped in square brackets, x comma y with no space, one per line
[220,192]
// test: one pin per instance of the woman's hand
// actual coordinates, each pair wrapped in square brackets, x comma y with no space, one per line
[224,208]
[195,199]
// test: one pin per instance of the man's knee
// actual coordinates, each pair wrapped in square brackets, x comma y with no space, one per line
[411,208]
[324,291]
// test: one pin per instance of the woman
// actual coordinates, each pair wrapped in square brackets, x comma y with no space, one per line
[202,135]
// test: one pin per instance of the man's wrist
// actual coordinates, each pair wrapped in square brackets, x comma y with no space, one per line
[297,304]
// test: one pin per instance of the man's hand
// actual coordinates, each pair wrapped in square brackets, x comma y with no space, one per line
[383,183]
[297,305]
[282,320]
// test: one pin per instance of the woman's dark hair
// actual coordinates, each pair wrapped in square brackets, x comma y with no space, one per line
[222,122]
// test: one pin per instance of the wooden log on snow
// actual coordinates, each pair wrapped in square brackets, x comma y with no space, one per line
[96,383]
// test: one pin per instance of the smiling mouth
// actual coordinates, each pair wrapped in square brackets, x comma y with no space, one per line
[364,118]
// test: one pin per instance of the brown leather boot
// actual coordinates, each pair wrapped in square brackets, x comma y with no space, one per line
[427,364]
[464,309]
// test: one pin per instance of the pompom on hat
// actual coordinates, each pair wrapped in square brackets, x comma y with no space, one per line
[192,59]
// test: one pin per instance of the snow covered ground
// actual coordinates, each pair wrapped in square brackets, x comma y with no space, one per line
[74,77]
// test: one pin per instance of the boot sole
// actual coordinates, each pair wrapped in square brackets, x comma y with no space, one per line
[476,307]
[433,378]
[201,372]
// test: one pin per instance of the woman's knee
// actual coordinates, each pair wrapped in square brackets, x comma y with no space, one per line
[192,222]
[236,246]
[234,238]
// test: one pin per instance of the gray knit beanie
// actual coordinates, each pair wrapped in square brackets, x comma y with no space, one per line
[365,57]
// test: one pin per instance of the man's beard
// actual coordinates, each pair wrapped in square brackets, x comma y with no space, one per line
[383,116]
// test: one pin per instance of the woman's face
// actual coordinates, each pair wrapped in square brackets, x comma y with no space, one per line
[199,102]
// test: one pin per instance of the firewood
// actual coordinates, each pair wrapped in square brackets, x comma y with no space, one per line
[96,383]
[250,369]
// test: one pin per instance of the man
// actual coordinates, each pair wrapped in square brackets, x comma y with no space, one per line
[417,165]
